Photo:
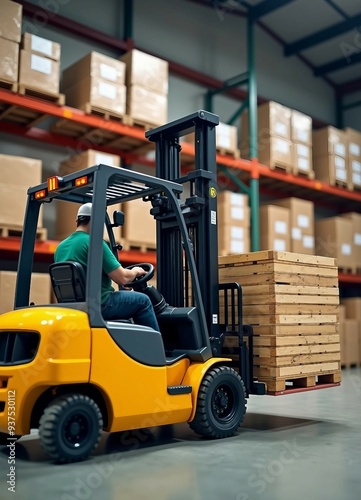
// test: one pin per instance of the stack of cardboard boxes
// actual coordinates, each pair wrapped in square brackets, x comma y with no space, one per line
[66,212]
[227,139]
[334,238]
[40,289]
[147,88]
[17,174]
[302,233]
[139,228]
[350,331]
[233,223]
[301,137]
[275,228]
[274,135]
[355,219]
[330,156]
[354,156]
[10,35]
[39,65]
[96,83]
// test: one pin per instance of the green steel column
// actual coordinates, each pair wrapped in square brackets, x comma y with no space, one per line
[252,117]
[128,20]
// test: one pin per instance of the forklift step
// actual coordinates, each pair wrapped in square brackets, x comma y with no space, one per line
[174,390]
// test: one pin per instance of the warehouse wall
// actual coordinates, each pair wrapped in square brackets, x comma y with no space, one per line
[203,38]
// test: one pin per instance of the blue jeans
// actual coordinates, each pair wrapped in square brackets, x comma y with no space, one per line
[129,304]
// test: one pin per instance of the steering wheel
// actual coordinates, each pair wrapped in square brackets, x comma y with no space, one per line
[140,282]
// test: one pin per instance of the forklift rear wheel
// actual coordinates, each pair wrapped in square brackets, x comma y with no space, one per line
[70,428]
[221,404]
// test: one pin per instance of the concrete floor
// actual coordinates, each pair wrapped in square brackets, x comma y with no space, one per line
[298,446]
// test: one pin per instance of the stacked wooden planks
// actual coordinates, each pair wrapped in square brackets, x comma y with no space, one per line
[292,302]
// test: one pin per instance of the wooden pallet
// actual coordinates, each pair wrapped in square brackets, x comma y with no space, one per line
[144,124]
[229,152]
[102,137]
[142,247]
[341,184]
[288,384]
[346,270]
[12,86]
[107,114]
[6,231]
[277,165]
[310,174]
[40,94]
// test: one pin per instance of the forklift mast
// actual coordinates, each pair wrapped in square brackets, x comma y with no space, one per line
[200,214]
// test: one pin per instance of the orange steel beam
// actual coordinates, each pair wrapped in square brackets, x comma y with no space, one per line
[71,114]
[11,245]
[76,115]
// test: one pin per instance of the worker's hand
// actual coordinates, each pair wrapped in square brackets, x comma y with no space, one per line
[139,271]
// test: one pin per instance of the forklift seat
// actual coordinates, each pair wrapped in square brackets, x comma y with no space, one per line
[68,281]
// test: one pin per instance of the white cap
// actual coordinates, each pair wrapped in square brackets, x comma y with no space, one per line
[85,210]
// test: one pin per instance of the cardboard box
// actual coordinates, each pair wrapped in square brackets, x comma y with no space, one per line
[334,239]
[233,209]
[66,212]
[332,169]
[354,156]
[146,70]
[329,141]
[351,342]
[273,119]
[9,60]
[10,20]
[87,159]
[233,239]
[20,171]
[233,223]
[97,93]
[354,142]
[301,224]
[356,237]
[94,66]
[147,106]
[352,307]
[227,137]
[275,151]
[42,46]
[139,227]
[17,174]
[301,128]
[39,289]
[39,73]
[275,228]
[302,159]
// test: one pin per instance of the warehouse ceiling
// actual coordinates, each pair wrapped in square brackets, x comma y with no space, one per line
[324,34]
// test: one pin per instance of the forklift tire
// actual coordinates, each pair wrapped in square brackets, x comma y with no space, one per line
[221,404]
[70,428]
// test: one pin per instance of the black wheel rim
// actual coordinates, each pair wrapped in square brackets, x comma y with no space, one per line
[77,428]
[224,403]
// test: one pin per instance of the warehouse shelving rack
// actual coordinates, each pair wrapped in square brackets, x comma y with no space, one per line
[129,143]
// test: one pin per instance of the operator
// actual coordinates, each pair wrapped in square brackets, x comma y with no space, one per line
[123,304]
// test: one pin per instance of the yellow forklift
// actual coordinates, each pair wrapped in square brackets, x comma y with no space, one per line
[72,374]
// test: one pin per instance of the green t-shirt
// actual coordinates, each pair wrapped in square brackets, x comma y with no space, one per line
[75,247]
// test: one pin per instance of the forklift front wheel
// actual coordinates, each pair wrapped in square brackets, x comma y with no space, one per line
[70,428]
[221,404]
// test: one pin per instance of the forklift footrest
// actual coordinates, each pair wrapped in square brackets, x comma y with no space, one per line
[173,390]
